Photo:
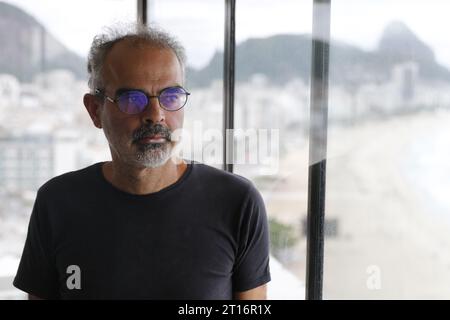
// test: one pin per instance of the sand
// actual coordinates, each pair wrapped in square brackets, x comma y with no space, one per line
[392,241]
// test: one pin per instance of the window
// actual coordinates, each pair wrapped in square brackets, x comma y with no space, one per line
[198,25]
[387,166]
[387,207]
[42,81]
[273,61]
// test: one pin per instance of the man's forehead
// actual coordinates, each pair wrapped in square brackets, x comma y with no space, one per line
[133,49]
[146,62]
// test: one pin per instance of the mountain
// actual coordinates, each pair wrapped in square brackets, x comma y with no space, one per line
[284,57]
[280,58]
[27,48]
[398,43]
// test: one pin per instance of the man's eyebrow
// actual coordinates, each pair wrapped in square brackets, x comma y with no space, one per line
[122,90]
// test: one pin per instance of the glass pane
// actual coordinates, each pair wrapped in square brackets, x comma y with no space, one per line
[45,129]
[199,26]
[388,160]
[273,57]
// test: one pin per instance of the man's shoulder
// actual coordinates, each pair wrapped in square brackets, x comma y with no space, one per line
[208,172]
[76,179]
[220,180]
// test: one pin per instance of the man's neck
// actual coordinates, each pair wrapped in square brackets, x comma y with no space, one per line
[142,180]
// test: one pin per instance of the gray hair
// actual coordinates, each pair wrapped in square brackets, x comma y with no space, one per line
[139,34]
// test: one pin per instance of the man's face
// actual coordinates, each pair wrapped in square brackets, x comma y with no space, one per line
[143,139]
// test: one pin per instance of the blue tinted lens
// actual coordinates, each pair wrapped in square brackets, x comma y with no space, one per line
[173,98]
[132,102]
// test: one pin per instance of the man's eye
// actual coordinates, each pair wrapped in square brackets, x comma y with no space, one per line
[171,97]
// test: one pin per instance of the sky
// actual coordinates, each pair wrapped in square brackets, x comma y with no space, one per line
[199,23]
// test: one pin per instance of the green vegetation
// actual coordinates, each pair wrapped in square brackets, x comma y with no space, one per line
[282,236]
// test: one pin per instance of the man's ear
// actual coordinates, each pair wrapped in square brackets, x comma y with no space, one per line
[92,105]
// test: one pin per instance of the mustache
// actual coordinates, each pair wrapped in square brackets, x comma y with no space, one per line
[151,130]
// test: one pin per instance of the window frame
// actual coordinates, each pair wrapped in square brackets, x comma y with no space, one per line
[318,127]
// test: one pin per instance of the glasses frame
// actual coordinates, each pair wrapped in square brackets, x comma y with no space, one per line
[100,92]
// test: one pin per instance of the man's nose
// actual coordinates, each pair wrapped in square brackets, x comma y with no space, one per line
[153,113]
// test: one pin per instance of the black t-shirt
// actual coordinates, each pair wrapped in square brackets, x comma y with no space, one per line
[203,237]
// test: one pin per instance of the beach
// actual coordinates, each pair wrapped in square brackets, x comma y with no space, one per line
[392,234]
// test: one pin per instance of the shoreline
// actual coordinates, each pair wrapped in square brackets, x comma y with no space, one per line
[383,219]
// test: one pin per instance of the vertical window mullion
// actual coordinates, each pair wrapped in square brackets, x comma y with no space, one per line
[228,84]
[142,11]
[317,148]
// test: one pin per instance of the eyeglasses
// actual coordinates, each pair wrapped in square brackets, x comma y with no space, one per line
[135,101]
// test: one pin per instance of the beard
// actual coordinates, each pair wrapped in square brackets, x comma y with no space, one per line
[152,155]
[141,153]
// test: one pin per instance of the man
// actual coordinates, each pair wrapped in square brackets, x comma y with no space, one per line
[144,225]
